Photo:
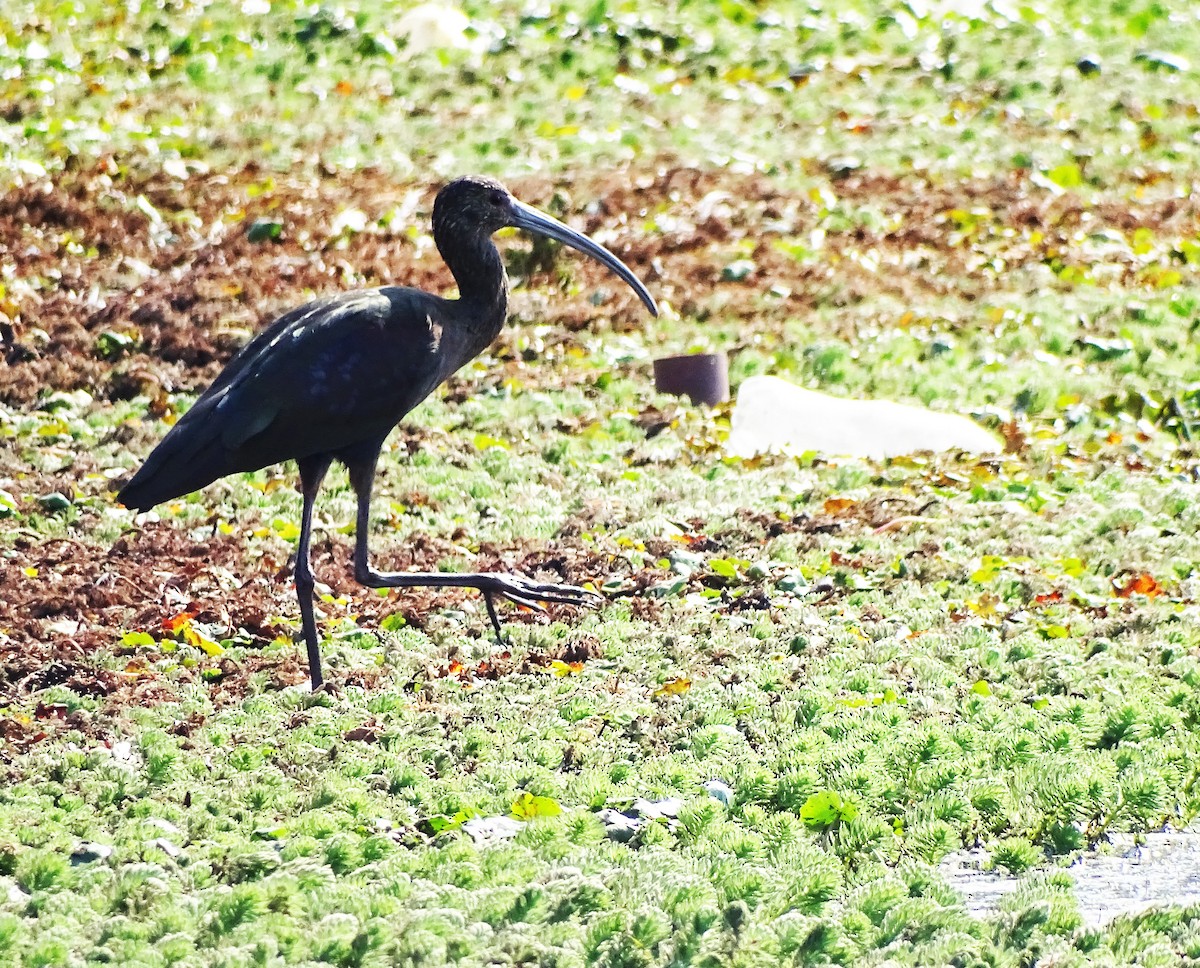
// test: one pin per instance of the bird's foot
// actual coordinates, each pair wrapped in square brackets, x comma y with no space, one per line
[525,591]
[531,594]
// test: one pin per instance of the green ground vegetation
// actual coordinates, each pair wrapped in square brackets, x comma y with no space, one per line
[834,672]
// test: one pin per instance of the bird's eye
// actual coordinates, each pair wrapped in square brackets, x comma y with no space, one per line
[496,199]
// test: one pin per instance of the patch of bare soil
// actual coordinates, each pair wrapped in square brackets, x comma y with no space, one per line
[68,603]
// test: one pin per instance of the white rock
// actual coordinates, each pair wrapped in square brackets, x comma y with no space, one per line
[666,809]
[434,26]
[720,790]
[618,826]
[484,830]
[774,415]
[168,847]
[90,853]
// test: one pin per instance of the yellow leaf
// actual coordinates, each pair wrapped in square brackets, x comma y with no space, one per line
[575,92]
[203,642]
[30,572]
[1071,566]
[823,197]
[986,606]
[1161,277]
[1066,176]
[287,530]
[673,687]
[54,428]
[560,668]
[269,485]
[527,807]
[484,442]
[1142,241]
[989,567]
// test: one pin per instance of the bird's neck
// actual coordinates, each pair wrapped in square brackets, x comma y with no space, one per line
[482,282]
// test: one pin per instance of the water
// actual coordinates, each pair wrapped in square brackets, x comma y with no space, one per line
[1125,879]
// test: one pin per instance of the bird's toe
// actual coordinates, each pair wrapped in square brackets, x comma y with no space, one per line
[531,594]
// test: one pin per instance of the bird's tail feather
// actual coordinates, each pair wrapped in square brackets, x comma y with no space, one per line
[180,464]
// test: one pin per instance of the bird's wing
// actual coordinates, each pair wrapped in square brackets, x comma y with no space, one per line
[294,320]
[323,378]
[330,374]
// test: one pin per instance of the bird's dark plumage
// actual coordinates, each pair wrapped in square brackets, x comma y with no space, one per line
[329,380]
[330,375]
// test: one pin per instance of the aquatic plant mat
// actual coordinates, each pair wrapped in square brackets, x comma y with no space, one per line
[820,693]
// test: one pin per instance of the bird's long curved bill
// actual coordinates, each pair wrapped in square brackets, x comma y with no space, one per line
[530,219]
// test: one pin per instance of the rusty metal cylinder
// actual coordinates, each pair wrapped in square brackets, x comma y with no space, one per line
[704,377]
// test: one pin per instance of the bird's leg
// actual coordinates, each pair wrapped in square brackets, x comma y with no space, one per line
[522,591]
[312,472]
[491,610]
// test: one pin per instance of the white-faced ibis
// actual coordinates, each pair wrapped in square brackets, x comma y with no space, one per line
[328,381]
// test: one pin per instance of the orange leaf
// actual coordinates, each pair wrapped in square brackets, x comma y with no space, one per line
[1143,584]
[836,505]
[1048,597]
[177,623]
[344,88]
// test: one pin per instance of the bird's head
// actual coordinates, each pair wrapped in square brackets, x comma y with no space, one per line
[477,205]
[474,204]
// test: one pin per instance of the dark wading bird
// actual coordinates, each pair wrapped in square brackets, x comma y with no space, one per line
[328,381]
